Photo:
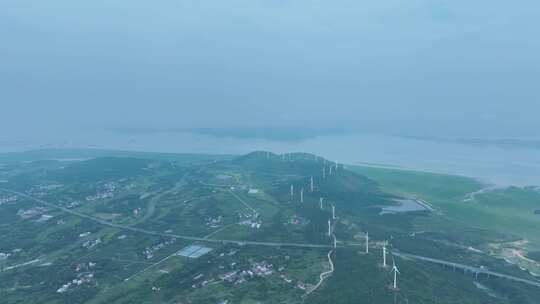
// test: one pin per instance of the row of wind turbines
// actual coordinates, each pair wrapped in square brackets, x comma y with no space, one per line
[332,169]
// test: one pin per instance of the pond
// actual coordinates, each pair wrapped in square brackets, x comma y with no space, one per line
[404,205]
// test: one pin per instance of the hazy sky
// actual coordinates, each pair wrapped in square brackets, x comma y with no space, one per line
[422,67]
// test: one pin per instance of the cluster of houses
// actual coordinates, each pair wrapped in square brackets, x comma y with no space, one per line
[84,276]
[203,283]
[73,204]
[43,218]
[262,269]
[6,255]
[149,251]
[84,266]
[252,223]
[91,243]
[80,280]
[32,212]
[106,191]
[85,234]
[43,190]
[8,199]
[214,222]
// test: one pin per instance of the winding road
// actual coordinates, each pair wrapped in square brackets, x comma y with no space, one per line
[325,274]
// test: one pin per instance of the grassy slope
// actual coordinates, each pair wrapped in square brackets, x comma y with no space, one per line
[508,212]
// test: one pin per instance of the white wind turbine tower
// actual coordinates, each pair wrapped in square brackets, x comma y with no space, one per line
[367,242]
[329,228]
[384,254]
[395,270]
[312,185]
[320,203]
[292,191]
[333,212]
[324,172]
[301,195]
[330,173]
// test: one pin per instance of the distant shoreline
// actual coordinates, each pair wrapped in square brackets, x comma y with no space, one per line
[487,166]
[485,183]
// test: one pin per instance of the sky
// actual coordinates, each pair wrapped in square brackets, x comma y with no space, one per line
[418,67]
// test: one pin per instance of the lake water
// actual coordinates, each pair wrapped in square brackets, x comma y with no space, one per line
[500,166]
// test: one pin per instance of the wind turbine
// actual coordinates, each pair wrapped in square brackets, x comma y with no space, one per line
[302,195]
[320,202]
[292,191]
[312,185]
[395,270]
[367,242]
[329,228]
[384,254]
[333,212]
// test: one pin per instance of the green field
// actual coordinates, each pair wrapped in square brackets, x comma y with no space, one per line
[126,215]
[502,217]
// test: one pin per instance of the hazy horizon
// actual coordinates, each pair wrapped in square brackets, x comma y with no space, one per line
[421,68]
[385,82]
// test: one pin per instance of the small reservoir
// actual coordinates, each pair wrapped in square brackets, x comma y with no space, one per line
[403,205]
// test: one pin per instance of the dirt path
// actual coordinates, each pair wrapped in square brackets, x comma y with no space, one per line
[325,274]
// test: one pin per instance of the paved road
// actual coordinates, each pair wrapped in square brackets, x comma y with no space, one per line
[20,265]
[465,268]
[219,186]
[150,232]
